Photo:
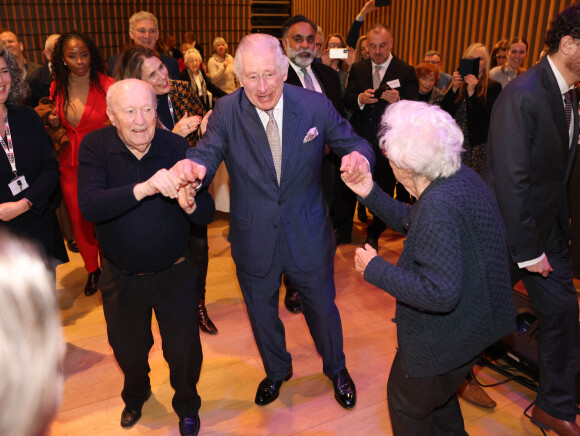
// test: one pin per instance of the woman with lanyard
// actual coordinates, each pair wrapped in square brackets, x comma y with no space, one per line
[29,170]
[181,111]
[516,55]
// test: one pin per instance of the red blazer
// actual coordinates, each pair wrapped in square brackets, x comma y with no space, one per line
[94,117]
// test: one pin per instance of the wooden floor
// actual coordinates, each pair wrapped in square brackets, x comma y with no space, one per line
[232,367]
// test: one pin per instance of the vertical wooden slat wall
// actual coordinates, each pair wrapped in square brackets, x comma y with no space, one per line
[107,21]
[445,25]
[418,25]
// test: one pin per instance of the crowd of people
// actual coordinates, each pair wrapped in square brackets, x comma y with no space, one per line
[464,165]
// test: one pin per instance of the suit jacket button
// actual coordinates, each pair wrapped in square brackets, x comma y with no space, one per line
[275,226]
[280,203]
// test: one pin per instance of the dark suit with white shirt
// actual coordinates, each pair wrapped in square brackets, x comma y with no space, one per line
[529,157]
[366,121]
[281,228]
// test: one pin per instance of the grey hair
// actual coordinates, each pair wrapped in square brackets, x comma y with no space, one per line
[142,15]
[19,89]
[422,138]
[247,43]
[117,86]
[191,53]
[218,40]
[32,347]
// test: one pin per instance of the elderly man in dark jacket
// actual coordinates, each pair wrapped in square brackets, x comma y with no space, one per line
[451,283]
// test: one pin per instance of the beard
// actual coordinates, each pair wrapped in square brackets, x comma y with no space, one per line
[298,56]
[573,63]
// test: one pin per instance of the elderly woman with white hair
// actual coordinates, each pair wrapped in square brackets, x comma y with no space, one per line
[220,67]
[201,84]
[451,282]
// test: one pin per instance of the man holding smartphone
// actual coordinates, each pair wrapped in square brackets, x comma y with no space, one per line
[373,84]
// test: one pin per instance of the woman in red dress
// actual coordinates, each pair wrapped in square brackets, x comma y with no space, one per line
[79,91]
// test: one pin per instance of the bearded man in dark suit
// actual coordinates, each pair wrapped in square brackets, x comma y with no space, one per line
[298,40]
[396,80]
[532,141]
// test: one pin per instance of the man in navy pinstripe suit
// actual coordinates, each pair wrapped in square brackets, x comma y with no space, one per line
[279,221]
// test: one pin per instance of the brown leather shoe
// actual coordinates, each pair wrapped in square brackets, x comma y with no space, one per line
[474,394]
[203,318]
[548,422]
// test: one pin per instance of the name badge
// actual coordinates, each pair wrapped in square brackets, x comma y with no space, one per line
[394,83]
[18,185]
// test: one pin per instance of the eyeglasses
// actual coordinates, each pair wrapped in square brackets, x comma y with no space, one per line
[500,57]
[433,62]
[335,45]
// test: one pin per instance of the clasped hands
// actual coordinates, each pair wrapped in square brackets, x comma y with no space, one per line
[357,176]
[180,182]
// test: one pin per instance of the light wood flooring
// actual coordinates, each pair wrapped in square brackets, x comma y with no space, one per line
[232,367]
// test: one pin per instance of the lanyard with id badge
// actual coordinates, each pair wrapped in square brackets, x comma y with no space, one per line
[18,184]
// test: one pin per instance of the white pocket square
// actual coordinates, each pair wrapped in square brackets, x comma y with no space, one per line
[310,135]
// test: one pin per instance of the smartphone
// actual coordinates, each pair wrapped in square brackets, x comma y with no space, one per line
[338,53]
[379,3]
[379,91]
[468,66]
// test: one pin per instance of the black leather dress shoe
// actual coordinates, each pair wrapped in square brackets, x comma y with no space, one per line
[373,243]
[344,389]
[130,417]
[292,301]
[205,323]
[268,390]
[189,426]
[91,286]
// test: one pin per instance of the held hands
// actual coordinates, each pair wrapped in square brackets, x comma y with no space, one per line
[356,174]
[362,257]
[187,125]
[391,95]
[162,182]
[12,209]
[351,55]
[186,198]
[187,171]
[543,267]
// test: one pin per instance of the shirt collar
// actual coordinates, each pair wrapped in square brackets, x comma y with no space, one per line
[384,64]
[562,84]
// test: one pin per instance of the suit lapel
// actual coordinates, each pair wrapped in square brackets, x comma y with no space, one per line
[574,146]
[555,102]
[291,129]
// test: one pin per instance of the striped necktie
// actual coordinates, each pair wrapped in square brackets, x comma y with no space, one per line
[273,135]
[307,80]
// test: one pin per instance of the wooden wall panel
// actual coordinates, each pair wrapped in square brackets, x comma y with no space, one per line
[107,21]
[445,25]
[418,25]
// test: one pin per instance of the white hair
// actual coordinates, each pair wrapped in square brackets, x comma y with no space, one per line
[31,346]
[142,15]
[248,43]
[116,88]
[190,54]
[422,138]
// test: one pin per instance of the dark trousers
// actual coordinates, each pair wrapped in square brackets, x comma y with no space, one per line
[199,250]
[425,406]
[555,302]
[317,295]
[128,302]
[383,175]
[344,205]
